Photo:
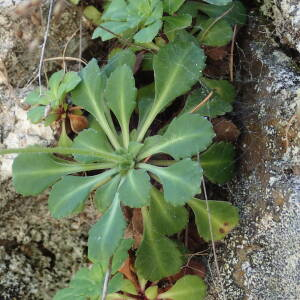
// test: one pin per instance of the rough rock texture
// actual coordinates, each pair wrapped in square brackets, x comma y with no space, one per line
[38,254]
[285,16]
[261,259]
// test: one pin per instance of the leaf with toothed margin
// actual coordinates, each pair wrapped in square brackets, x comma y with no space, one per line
[135,190]
[223,216]
[181,181]
[67,196]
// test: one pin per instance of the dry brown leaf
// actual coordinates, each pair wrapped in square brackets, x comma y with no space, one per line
[225,130]
[216,53]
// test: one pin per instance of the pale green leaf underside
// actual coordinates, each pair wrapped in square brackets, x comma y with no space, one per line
[69,194]
[187,135]
[106,234]
[181,181]
[166,218]
[224,217]
[135,189]
[189,287]
[157,256]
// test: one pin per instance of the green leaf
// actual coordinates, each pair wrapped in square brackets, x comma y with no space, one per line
[34,172]
[214,107]
[68,294]
[89,94]
[93,141]
[236,15]
[177,66]
[55,80]
[124,57]
[157,256]
[224,217]
[69,82]
[35,97]
[223,88]
[215,32]
[174,23]
[135,190]
[122,100]
[187,135]
[166,218]
[218,2]
[117,10]
[105,236]
[145,98]
[64,140]
[105,194]
[36,114]
[112,27]
[218,162]
[75,2]
[171,6]
[147,34]
[151,292]
[190,8]
[121,254]
[181,181]
[92,14]
[188,287]
[67,196]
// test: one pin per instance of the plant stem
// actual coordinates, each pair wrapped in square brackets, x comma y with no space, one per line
[65,150]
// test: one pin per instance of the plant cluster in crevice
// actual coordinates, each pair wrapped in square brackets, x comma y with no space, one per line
[134,174]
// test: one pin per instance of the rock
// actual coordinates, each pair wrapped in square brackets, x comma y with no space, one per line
[285,16]
[38,254]
[261,259]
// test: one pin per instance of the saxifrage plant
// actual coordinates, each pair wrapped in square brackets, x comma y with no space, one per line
[128,172]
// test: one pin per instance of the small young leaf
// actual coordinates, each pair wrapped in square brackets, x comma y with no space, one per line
[105,236]
[105,194]
[92,14]
[68,83]
[151,292]
[187,135]
[111,26]
[135,190]
[36,114]
[92,140]
[181,181]
[35,97]
[166,218]
[157,256]
[218,162]
[189,287]
[215,33]
[223,215]
[67,196]
[122,100]
[121,254]
[34,172]
[55,80]
[171,6]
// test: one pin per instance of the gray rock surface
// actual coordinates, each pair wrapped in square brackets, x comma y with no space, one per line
[261,259]
[38,254]
[285,16]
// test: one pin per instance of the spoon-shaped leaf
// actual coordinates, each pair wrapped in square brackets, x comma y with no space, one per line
[166,218]
[177,67]
[187,135]
[157,256]
[189,287]
[120,94]
[135,189]
[106,235]
[223,215]
[69,194]
[34,172]
[181,181]
[89,94]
